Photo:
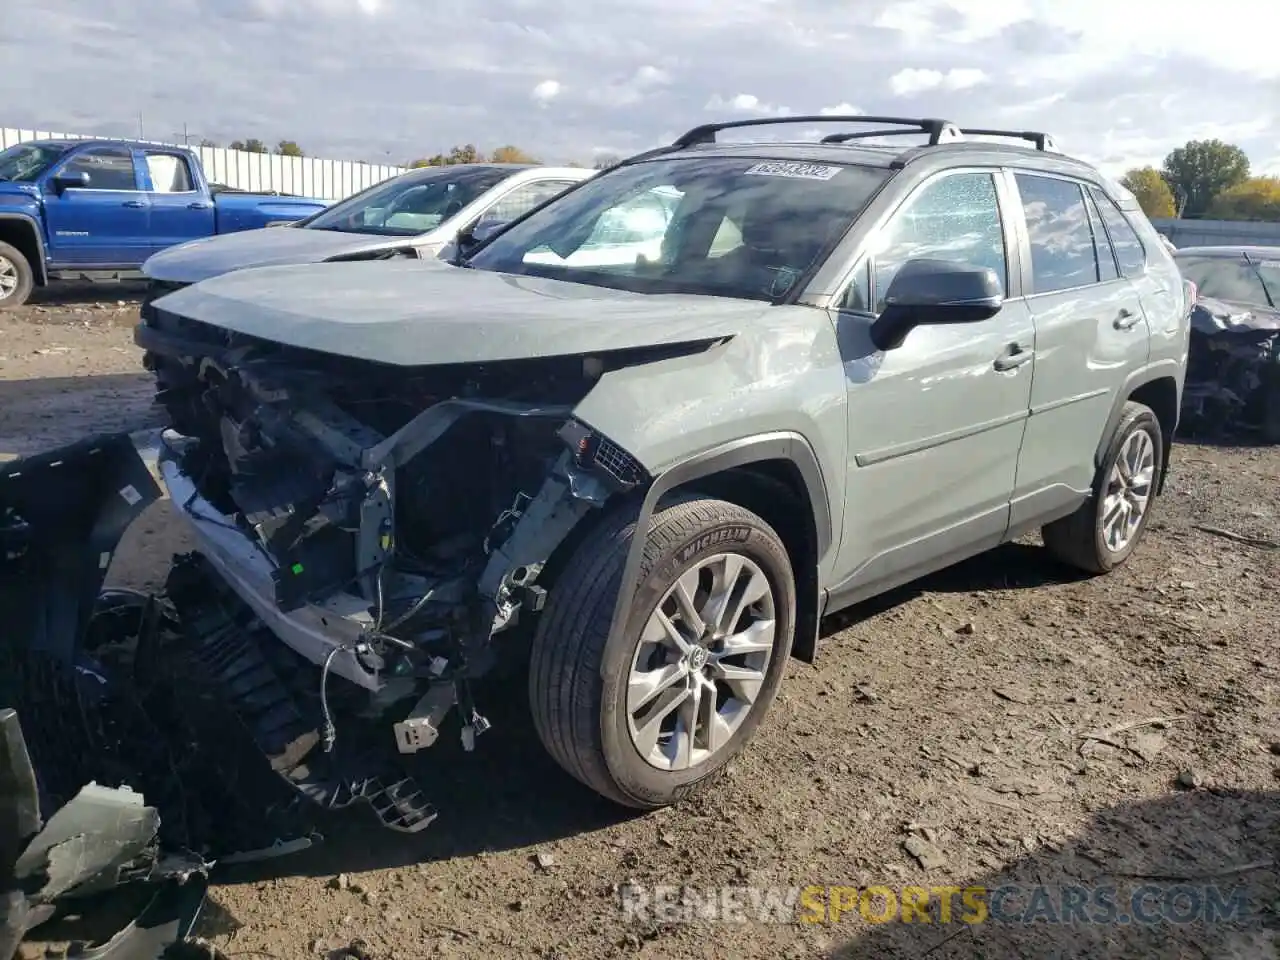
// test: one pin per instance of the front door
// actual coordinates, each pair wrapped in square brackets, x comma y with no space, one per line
[179,212]
[1091,332]
[104,223]
[936,424]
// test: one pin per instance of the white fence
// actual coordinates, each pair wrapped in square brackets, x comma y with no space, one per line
[1216,233]
[304,176]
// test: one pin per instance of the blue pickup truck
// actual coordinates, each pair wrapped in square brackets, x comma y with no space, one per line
[96,209]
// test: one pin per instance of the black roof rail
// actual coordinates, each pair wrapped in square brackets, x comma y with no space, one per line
[1042,141]
[946,135]
[939,131]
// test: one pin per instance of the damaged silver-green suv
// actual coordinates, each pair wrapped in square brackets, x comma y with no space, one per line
[640,440]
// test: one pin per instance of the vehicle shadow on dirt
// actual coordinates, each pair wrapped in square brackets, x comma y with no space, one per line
[79,293]
[1191,874]
[509,794]
[506,794]
[1012,566]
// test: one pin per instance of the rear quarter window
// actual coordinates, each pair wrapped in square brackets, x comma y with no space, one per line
[1130,253]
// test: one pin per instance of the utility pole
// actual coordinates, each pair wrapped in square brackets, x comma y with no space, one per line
[140,136]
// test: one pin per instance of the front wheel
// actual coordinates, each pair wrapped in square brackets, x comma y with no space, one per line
[1106,528]
[646,718]
[16,277]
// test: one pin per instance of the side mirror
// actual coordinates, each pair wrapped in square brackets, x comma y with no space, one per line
[935,291]
[471,237]
[66,181]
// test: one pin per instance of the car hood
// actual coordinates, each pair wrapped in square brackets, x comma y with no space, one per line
[12,188]
[421,312]
[1212,316]
[265,247]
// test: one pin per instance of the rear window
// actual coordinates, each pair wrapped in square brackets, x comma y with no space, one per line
[1124,239]
[1224,278]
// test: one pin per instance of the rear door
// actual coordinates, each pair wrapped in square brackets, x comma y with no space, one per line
[105,223]
[1091,333]
[179,212]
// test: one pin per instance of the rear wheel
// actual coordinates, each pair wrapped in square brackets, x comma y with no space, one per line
[1104,531]
[647,718]
[16,277]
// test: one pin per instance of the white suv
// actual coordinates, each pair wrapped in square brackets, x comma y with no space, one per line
[421,212]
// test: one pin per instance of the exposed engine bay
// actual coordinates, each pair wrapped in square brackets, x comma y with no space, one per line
[389,524]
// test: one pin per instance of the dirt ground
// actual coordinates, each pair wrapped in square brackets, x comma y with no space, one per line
[1000,724]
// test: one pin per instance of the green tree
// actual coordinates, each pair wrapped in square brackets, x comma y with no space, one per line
[510,154]
[467,153]
[208,143]
[1152,192]
[606,160]
[252,145]
[1202,169]
[1255,199]
[287,148]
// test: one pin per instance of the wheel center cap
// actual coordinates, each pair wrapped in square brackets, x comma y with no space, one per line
[697,658]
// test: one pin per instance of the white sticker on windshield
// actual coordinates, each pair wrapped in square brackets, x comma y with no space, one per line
[797,171]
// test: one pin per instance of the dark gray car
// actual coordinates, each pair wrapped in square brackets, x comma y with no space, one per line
[840,366]
[1233,375]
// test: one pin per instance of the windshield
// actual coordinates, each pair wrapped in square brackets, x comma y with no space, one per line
[1224,278]
[411,203]
[722,226]
[26,161]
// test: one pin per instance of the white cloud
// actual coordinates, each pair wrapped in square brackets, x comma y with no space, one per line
[841,109]
[645,81]
[444,74]
[546,91]
[745,103]
[913,80]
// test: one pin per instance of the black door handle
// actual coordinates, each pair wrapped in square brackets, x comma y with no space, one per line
[199,205]
[1014,357]
[1126,319]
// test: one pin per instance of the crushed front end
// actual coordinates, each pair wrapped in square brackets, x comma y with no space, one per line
[390,526]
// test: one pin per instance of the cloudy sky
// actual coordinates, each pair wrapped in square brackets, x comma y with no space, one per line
[1119,82]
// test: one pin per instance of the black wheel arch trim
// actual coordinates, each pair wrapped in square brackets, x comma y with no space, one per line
[781,445]
[37,268]
[1160,370]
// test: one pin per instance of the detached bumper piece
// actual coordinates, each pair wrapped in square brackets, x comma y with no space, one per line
[106,730]
[97,843]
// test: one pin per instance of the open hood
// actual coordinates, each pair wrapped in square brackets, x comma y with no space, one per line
[421,312]
[213,256]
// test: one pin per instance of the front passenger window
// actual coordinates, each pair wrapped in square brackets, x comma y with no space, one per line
[956,217]
[109,168]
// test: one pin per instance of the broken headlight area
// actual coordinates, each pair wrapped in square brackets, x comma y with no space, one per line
[387,524]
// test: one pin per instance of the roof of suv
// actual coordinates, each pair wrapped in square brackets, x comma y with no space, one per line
[945,141]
